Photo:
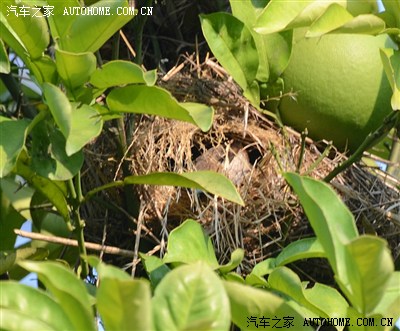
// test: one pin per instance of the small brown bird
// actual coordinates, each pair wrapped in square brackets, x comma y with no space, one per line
[232,161]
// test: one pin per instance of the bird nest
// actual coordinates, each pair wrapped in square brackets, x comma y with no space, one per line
[252,151]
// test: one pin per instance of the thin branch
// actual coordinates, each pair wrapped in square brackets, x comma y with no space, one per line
[70,242]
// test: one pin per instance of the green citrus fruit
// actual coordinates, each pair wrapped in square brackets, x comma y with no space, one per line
[342,91]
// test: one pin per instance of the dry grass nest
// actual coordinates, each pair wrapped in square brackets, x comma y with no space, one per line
[252,151]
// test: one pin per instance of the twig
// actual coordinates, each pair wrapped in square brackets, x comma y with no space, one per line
[137,239]
[71,242]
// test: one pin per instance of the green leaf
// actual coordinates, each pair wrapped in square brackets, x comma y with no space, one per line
[87,33]
[390,301]
[27,308]
[247,12]
[202,114]
[12,140]
[233,45]
[106,270]
[249,306]
[32,30]
[86,124]
[157,101]
[325,301]
[236,258]
[334,17]
[198,301]
[155,267]
[278,15]
[75,69]
[60,107]
[188,244]
[370,267]
[366,24]
[265,267]
[45,70]
[10,219]
[392,7]
[11,38]
[117,73]
[300,249]
[68,290]
[4,61]
[278,48]
[9,258]
[49,157]
[208,181]
[124,304]
[261,269]
[59,23]
[19,195]
[47,187]
[391,64]
[330,219]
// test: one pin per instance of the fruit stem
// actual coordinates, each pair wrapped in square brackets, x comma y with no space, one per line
[373,138]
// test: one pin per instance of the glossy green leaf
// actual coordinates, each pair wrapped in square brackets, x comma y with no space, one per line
[188,244]
[49,157]
[12,139]
[19,195]
[87,33]
[86,124]
[47,187]
[300,249]
[391,64]
[334,17]
[117,73]
[124,304]
[45,70]
[11,38]
[249,305]
[155,267]
[106,270]
[288,282]
[370,267]
[392,7]
[390,301]
[236,258]
[366,24]
[198,300]
[31,29]
[59,23]
[261,269]
[278,15]
[69,291]
[8,259]
[278,48]
[207,181]
[27,308]
[59,106]
[4,61]
[75,69]
[247,12]
[10,219]
[202,114]
[327,299]
[231,42]
[330,219]
[157,101]
[265,267]
[47,222]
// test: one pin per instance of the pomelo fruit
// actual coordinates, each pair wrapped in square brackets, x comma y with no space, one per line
[342,91]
